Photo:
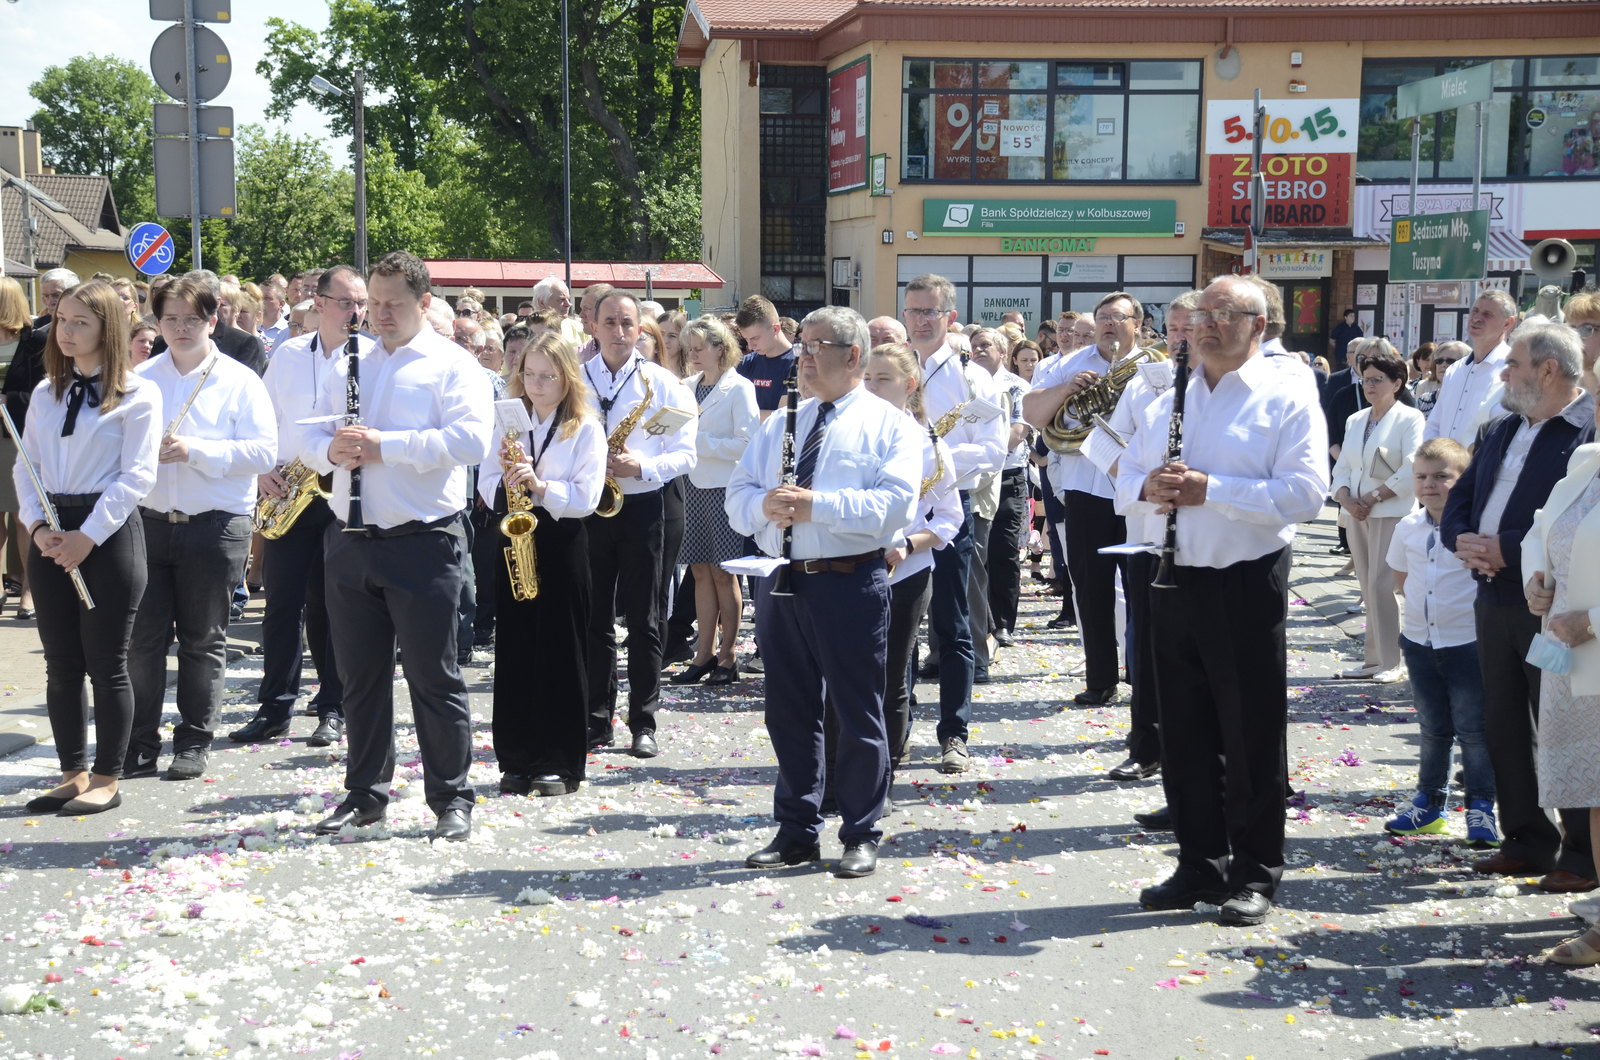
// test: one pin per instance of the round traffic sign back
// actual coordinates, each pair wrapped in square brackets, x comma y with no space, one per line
[150,248]
[169,63]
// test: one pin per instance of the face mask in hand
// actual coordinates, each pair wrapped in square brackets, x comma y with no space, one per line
[1549,654]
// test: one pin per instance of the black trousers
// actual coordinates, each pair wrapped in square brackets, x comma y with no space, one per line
[405,591]
[1055,515]
[1005,548]
[292,573]
[79,642]
[625,568]
[486,545]
[541,680]
[672,516]
[1511,725]
[950,621]
[1222,694]
[1144,734]
[1092,524]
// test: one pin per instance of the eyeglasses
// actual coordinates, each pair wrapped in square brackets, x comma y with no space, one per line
[1112,318]
[463,312]
[182,323]
[541,378]
[924,314]
[349,305]
[814,348]
[1379,381]
[1201,317]
[1586,330]
[1444,362]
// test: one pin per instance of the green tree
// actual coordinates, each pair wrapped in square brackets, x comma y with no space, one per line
[296,210]
[95,117]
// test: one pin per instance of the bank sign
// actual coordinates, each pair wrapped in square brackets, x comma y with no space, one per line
[1049,217]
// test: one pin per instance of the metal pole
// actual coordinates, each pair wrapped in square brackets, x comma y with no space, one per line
[1252,256]
[566,148]
[359,82]
[192,75]
[1411,209]
[1477,175]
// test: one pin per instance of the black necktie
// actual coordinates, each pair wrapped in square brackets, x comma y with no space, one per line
[807,466]
[82,389]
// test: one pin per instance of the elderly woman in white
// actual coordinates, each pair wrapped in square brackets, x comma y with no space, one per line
[1372,483]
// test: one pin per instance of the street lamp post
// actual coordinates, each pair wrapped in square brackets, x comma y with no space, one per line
[358,97]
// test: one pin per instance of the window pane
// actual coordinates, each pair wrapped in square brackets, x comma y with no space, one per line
[1457,137]
[1573,70]
[1385,141]
[1377,75]
[918,73]
[1163,137]
[809,100]
[952,267]
[915,140]
[1171,75]
[1011,137]
[1089,75]
[1088,138]
[1506,71]
[1006,268]
[1567,142]
[950,145]
[777,100]
[1012,75]
[952,75]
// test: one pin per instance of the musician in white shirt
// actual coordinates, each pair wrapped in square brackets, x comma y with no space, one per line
[540,725]
[1469,395]
[92,433]
[220,434]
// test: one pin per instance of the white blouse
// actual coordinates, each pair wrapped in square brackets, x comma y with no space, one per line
[573,469]
[939,511]
[111,453]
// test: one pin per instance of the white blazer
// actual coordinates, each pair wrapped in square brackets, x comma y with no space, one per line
[1583,576]
[728,420]
[1382,459]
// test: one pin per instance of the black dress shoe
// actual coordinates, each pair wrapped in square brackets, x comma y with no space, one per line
[259,730]
[550,784]
[330,730]
[1095,697]
[354,814]
[1002,637]
[860,859]
[928,671]
[784,852]
[1062,622]
[1159,820]
[723,675]
[1245,908]
[453,826]
[644,745]
[691,674]
[1133,769]
[980,677]
[597,742]
[1176,892]
[677,654]
[516,784]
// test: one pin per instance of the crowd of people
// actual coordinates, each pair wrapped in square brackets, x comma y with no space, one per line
[404,478]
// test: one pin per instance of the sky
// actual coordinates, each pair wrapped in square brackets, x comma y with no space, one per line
[43,33]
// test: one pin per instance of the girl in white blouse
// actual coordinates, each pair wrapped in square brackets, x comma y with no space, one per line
[540,724]
[93,435]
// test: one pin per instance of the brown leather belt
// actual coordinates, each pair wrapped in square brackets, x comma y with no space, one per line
[836,565]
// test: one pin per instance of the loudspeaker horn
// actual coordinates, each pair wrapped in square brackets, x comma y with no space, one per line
[1553,260]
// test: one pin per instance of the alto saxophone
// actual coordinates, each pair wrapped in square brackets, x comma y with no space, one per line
[611,492]
[276,515]
[938,461]
[522,559]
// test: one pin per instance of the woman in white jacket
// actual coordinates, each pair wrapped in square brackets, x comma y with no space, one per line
[1372,483]
[728,418]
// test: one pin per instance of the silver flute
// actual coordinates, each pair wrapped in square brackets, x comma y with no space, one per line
[49,509]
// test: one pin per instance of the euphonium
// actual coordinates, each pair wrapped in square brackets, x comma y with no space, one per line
[275,515]
[522,559]
[611,492]
[1075,419]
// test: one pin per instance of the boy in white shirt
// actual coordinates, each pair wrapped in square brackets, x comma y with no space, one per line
[1439,641]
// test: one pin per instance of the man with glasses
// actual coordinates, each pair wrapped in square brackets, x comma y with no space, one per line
[240,345]
[1469,394]
[977,445]
[1253,465]
[1086,491]
[292,565]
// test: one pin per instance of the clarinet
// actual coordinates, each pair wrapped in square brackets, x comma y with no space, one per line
[353,523]
[780,579]
[1169,545]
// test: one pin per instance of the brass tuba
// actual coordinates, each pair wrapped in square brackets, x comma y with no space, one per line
[522,560]
[611,492]
[276,515]
[1074,420]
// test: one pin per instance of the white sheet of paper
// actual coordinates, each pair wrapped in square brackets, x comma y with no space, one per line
[1101,449]
[312,421]
[511,417]
[760,566]
[979,410]
[1132,548]
[1158,375]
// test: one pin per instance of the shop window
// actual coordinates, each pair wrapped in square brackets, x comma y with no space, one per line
[1050,122]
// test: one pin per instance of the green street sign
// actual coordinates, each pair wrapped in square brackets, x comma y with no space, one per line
[1445,92]
[1439,246]
[1049,217]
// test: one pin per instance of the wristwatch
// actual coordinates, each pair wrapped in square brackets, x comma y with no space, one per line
[910,548]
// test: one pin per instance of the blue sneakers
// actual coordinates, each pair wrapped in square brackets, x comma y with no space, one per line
[1481,828]
[1420,818]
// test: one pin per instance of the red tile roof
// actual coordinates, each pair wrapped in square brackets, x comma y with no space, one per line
[667,275]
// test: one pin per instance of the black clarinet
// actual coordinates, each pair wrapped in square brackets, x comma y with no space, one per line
[1169,546]
[353,523]
[780,578]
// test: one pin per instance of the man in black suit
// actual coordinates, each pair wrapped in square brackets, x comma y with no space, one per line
[240,345]
[1485,520]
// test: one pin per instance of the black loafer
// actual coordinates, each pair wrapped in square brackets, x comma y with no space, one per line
[860,859]
[354,814]
[1062,622]
[1246,908]
[1159,820]
[691,674]
[1133,769]
[454,826]
[1095,697]
[516,784]
[80,808]
[1175,892]
[608,739]
[980,677]
[644,745]
[1002,637]
[259,730]
[784,852]
[551,784]
[329,731]
[723,675]
[48,803]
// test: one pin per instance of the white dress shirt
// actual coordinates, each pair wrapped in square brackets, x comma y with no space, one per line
[1263,445]
[661,457]
[975,447]
[868,473]
[276,334]
[434,411]
[573,468]
[1468,397]
[939,512]
[230,430]
[1439,590]
[1132,414]
[296,381]
[1011,387]
[1075,471]
[1516,458]
[111,453]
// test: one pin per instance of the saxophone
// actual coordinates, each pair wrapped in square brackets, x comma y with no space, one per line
[275,516]
[938,461]
[1075,419]
[611,492]
[522,559]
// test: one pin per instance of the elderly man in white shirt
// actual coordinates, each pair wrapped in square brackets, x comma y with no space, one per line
[1469,396]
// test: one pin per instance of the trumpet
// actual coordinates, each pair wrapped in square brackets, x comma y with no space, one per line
[522,558]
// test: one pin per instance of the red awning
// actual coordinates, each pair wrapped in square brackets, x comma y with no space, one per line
[664,275]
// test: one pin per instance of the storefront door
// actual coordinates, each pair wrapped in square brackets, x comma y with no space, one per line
[1305,304]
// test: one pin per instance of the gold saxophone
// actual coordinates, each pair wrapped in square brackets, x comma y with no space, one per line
[611,492]
[276,515]
[522,559]
[1074,420]
[938,461]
